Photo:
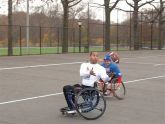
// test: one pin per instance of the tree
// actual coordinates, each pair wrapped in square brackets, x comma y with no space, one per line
[161,19]
[10,49]
[67,4]
[136,5]
[109,6]
[108,10]
[76,12]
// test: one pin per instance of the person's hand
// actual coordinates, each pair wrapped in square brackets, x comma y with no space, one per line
[92,72]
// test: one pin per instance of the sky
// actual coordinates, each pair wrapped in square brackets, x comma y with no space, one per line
[99,12]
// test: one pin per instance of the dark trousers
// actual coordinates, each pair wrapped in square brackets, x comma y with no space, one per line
[69,94]
[68,91]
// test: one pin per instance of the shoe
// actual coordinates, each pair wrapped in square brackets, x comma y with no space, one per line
[71,111]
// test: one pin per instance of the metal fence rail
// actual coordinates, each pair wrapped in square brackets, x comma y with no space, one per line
[48,40]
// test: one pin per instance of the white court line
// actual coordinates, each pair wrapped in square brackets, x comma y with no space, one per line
[143,57]
[144,63]
[144,79]
[140,63]
[46,65]
[159,64]
[34,66]
[31,98]
[55,94]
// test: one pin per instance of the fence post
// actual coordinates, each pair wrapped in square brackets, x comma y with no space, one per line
[20,42]
[79,24]
[58,39]
[130,33]
[151,36]
[40,40]
[74,45]
[117,32]
[141,32]
[88,30]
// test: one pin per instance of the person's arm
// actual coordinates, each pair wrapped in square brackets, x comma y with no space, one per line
[84,71]
[117,72]
[103,74]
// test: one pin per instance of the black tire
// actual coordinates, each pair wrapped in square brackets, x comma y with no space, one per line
[123,94]
[119,92]
[90,104]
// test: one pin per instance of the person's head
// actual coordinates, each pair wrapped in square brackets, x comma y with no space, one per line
[107,59]
[93,57]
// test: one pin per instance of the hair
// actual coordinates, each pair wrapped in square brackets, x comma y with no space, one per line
[91,52]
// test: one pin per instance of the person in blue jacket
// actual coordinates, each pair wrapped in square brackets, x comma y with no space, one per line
[112,67]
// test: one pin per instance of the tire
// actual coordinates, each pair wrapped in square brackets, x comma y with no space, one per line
[90,104]
[119,92]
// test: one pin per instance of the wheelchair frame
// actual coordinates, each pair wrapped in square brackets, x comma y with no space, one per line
[87,101]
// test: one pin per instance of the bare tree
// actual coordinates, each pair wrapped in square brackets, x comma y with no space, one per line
[136,5]
[76,12]
[108,9]
[161,19]
[109,6]
[10,49]
[67,4]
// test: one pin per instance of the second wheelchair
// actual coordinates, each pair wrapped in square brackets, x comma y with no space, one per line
[112,88]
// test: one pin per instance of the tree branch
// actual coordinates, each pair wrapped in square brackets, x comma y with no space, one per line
[114,5]
[154,7]
[129,4]
[74,3]
[70,1]
[163,2]
[124,10]
[148,2]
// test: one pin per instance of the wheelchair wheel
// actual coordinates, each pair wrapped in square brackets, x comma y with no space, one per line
[119,91]
[90,104]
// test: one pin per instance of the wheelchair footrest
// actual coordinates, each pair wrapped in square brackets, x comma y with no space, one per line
[66,110]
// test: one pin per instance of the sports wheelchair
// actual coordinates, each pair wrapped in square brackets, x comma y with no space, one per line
[89,103]
[112,87]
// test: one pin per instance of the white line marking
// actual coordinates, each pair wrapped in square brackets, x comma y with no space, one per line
[34,66]
[159,64]
[46,65]
[139,63]
[55,94]
[31,98]
[145,79]
[143,57]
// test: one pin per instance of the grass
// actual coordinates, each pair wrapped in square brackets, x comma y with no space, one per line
[48,50]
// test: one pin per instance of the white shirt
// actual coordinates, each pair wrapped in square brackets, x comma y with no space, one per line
[87,79]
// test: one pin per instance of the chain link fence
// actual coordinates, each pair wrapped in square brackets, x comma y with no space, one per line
[90,36]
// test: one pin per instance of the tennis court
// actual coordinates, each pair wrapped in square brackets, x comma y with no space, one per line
[31,89]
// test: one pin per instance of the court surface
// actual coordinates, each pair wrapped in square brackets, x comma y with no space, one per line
[31,89]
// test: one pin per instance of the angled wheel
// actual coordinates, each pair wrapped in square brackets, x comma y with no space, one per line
[119,90]
[90,104]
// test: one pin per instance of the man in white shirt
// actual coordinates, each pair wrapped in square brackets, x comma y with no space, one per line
[90,73]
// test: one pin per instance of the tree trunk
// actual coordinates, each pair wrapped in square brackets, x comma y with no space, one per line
[10,49]
[160,35]
[107,26]
[65,29]
[135,28]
